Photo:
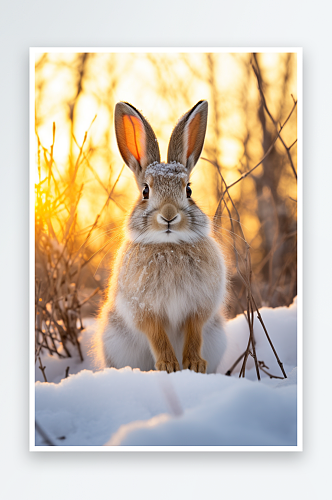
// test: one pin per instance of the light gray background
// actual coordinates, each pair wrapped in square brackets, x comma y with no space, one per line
[25,23]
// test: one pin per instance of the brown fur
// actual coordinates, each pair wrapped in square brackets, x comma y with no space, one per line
[193,343]
[164,353]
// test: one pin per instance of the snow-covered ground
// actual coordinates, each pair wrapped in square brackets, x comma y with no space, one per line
[132,408]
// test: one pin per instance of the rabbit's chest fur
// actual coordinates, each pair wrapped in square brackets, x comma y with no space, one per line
[170,280]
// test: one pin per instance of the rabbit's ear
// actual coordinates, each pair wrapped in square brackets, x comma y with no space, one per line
[136,140]
[187,139]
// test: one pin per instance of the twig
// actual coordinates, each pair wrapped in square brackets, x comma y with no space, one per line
[90,297]
[268,338]
[42,368]
[251,328]
[109,194]
[262,367]
[229,372]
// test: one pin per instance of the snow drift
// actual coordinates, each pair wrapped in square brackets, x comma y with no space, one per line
[132,408]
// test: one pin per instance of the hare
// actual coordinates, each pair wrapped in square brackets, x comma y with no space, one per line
[169,282]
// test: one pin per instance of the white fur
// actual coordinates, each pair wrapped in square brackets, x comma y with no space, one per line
[122,351]
[162,236]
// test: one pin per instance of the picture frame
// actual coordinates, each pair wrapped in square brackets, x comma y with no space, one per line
[213,50]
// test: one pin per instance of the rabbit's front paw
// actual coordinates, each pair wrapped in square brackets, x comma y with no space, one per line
[197,365]
[168,366]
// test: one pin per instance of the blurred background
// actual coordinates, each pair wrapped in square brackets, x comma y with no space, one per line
[83,190]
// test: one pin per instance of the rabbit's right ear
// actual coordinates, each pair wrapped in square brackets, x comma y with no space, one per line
[187,139]
[136,140]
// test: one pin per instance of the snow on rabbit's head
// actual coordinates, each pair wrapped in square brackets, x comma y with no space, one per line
[165,211]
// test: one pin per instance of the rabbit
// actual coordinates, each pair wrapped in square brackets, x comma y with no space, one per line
[163,305]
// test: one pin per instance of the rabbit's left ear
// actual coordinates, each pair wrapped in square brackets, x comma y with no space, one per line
[187,139]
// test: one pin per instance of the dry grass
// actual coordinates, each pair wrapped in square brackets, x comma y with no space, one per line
[59,263]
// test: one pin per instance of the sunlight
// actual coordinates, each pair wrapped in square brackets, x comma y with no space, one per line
[163,87]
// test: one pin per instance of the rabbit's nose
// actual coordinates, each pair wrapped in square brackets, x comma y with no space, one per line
[168,212]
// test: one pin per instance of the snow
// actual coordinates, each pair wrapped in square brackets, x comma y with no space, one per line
[167,170]
[132,408]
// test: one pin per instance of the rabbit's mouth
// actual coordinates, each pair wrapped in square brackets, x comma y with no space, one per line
[169,230]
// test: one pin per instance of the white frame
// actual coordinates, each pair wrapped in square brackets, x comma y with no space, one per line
[299,52]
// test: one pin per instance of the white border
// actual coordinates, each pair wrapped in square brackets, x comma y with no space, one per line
[299,52]
[32,181]
[300,249]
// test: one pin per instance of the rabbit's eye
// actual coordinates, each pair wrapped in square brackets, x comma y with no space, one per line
[146,192]
[188,191]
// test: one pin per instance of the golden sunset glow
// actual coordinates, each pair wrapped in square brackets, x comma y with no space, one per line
[78,92]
